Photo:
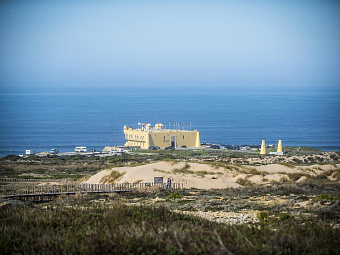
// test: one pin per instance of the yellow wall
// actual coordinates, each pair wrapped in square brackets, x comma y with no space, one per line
[160,137]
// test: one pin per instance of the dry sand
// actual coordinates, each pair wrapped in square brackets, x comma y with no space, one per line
[214,178]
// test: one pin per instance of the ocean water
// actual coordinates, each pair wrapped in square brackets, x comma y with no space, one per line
[42,121]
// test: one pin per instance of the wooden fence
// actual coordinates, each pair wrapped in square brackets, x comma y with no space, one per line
[16,180]
[21,191]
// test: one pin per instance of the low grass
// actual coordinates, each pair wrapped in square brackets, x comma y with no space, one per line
[158,170]
[183,170]
[186,170]
[251,170]
[224,165]
[287,164]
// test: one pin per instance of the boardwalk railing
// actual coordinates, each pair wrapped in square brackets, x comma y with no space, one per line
[16,180]
[11,191]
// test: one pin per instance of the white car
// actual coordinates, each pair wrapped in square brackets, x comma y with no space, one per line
[80,149]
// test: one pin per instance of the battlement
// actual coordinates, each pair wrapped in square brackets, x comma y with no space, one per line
[146,136]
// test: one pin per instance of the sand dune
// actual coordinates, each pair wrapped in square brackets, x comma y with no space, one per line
[204,176]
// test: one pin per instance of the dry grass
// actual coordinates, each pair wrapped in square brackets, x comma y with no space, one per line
[251,170]
[185,170]
[158,170]
[113,177]
[83,179]
[335,173]
[244,182]
[296,176]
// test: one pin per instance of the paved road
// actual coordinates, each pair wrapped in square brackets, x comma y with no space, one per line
[97,153]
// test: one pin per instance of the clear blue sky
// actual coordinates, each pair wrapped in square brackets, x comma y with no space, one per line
[109,44]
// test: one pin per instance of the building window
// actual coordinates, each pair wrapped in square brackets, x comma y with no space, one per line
[183,136]
[164,137]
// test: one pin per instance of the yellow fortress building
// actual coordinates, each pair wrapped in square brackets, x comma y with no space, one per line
[146,136]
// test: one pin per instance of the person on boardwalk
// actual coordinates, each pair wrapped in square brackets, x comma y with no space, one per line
[168,183]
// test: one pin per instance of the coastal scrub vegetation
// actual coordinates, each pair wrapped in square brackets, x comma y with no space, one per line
[77,166]
[121,229]
[156,221]
[289,216]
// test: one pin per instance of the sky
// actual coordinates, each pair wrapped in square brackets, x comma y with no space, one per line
[57,45]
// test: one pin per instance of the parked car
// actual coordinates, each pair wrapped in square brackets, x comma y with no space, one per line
[215,147]
[169,148]
[154,148]
[54,151]
[183,146]
[30,152]
[80,149]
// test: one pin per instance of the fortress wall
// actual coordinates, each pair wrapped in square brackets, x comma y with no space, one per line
[161,138]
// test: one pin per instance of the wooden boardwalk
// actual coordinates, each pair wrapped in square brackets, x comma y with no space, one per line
[16,180]
[30,190]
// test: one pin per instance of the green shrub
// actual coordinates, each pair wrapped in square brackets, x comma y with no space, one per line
[174,195]
[11,157]
[262,217]
[285,216]
[326,197]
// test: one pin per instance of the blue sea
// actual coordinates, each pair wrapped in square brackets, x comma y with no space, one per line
[42,121]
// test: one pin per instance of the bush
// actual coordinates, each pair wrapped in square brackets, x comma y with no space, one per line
[262,217]
[244,182]
[91,228]
[326,197]
[296,176]
[285,216]
[174,195]
[11,157]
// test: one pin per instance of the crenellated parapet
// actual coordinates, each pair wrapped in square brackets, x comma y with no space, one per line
[146,136]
